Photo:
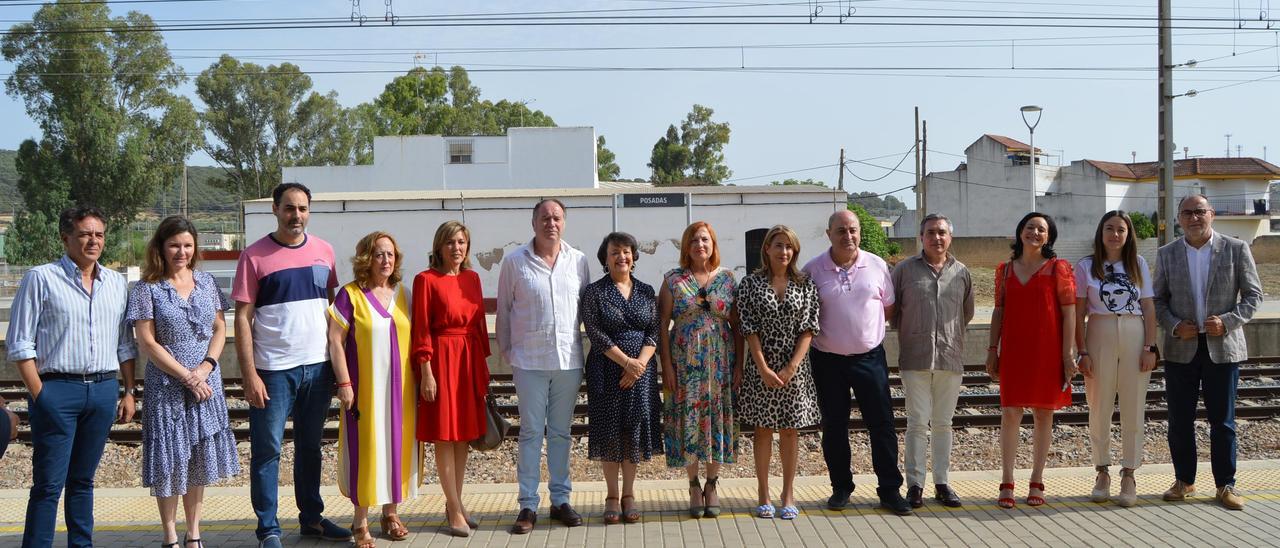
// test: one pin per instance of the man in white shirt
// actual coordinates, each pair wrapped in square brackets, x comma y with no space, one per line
[539,337]
[1206,289]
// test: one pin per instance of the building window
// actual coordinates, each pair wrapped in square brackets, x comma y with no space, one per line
[460,152]
[754,239]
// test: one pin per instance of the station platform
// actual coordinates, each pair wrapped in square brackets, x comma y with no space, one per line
[128,517]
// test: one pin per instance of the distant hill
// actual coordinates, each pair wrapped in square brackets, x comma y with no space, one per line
[202,194]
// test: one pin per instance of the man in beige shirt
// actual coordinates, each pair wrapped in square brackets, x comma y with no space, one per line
[934,296]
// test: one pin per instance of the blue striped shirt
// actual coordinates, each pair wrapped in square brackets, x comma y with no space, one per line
[65,328]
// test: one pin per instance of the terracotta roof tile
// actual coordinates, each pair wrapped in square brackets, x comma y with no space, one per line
[1011,144]
[1219,167]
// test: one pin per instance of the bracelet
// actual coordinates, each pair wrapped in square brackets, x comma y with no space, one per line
[992,348]
[344,384]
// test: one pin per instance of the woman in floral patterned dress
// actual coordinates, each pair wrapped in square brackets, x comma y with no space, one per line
[700,347]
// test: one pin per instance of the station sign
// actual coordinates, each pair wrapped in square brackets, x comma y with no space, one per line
[665,199]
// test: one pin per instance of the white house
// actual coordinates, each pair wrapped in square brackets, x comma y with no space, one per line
[501,220]
[492,183]
[526,157]
[990,191]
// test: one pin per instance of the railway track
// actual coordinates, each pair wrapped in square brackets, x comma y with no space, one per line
[975,409]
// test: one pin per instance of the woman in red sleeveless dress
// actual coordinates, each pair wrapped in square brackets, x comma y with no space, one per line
[1031,351]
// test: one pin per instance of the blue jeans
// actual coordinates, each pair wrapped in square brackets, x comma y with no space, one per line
[305,393]
[866,376]
[546,400]
[70,421]
[1183,383]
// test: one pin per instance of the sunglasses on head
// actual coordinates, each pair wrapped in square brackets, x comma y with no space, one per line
[702,299]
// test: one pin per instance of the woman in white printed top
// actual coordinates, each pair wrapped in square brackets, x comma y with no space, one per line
[1114,296]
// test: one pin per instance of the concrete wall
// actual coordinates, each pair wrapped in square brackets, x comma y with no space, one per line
[524,158]
[1266,249]
[500,225]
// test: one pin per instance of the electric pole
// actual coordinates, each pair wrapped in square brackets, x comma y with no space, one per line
[1168,207]
[919,181]
[924,169]
[840,178]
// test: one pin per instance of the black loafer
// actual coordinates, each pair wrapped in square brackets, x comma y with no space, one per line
[567,515]
[915,496]
[524,522]
[839,499]
[946,495]
[892,501]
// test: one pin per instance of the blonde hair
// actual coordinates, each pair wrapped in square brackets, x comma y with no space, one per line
[686,239]
[444,233]
[793,271]
[362,262]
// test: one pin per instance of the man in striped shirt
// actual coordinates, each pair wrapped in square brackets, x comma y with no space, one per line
[68,337]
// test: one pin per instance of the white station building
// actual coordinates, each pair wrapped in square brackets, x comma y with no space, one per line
[492,183]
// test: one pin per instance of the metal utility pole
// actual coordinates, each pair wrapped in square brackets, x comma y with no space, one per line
[184,189]
[924,169]
[840,179]
[919,178]
[1168,206]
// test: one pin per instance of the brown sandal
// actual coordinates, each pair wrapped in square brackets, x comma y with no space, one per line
[393,528]
[361,537]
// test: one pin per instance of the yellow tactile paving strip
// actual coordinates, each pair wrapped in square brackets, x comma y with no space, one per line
[228,509]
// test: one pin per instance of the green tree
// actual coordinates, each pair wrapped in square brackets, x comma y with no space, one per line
[694,154]
[33,239]
[440,102]
[1143,228]
[793,182]
[874,239]
[252,113]
[101,90]
[327,134]
[705,141]
[606,167]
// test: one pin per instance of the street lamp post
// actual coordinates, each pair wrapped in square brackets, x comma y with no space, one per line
[1032,127]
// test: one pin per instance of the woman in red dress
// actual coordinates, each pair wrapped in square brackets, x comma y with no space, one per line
[450,344]
[1032,334]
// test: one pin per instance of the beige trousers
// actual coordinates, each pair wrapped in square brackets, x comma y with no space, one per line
[1115,348]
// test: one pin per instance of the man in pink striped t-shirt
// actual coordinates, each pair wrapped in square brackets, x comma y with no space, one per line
[283,284]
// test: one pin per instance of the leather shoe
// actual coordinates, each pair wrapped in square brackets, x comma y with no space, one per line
[839,499]
[892,501]
[524,522]
[1229,498]
[567,515]
[1179,491]
[915,496]
[946,495]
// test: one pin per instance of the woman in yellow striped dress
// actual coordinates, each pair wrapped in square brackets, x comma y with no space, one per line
[378,454]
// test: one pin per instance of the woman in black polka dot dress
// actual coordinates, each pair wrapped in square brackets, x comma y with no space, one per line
[624,411]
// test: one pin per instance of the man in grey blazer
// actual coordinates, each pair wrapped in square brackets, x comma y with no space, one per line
[1206,288]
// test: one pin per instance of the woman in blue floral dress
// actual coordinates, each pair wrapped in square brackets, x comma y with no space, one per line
[187,442]
[700,347]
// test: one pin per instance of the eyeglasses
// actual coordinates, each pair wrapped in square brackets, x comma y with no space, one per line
[1199,212]
[702,299]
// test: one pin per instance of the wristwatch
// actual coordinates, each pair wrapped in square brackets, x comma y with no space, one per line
[1150,348]
[211,361]
[136,392]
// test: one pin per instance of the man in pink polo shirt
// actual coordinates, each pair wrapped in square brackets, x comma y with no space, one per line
[854,289]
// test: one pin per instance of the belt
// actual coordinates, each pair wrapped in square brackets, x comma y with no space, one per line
[85,378]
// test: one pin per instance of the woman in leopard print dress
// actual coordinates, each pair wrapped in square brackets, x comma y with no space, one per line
[779,309]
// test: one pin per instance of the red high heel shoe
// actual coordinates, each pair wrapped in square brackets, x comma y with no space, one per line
[1036,500]
[1006,502]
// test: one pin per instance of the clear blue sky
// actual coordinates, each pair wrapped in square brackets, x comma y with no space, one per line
[815,89]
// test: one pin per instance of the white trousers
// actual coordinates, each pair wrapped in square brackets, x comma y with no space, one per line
[931,402]
[1115,349]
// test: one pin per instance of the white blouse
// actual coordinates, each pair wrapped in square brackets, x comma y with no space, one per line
[1116,292]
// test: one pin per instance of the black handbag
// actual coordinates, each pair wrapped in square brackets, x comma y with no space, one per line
[496,426]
